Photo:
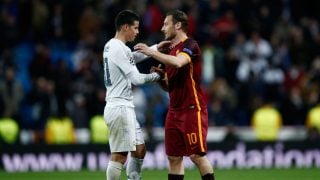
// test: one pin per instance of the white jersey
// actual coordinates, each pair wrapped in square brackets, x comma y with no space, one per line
[120,72]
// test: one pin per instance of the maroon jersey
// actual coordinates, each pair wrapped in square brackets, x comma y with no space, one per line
[184,83]
[187,119]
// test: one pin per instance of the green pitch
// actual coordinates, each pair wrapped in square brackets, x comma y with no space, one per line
[221,174]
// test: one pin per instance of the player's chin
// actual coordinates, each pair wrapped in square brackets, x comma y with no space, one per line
[168,38]
[132,39]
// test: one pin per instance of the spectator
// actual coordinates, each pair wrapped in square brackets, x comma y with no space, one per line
[40,16]
[44,105]
[11,94]
[257,52]
[293,107]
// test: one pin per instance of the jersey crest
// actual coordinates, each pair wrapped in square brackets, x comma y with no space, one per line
[131,61]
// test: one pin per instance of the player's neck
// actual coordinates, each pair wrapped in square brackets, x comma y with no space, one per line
[180,37]
[120,37]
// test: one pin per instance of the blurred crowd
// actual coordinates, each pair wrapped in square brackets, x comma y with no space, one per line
[255,52]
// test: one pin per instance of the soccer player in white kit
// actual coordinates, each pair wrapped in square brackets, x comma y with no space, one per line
[120,72]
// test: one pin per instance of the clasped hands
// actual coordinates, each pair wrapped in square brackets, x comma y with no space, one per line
[158,70]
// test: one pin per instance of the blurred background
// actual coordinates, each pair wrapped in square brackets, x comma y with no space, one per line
[261,69]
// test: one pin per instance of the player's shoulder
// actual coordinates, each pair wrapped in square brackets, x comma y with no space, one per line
[190,40]
[117,48]
[116,43]
[112,44]
[191,45]
[112,48]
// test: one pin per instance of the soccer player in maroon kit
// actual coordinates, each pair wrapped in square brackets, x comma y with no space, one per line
[186,123]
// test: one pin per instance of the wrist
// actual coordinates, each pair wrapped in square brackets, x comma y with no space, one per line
[152,52]
[155,47]
[157,75]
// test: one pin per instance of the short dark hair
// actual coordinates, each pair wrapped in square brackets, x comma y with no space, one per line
[125,17]
[179,16]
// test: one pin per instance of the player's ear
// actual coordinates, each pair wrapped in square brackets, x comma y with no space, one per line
[178,25]
[125,27]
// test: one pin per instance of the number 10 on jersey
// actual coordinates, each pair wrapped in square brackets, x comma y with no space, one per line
[192,138]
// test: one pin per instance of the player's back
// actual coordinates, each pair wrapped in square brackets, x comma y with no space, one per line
[117,59]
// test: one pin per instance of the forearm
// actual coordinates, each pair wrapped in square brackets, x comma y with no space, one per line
[138,78]
[167,59]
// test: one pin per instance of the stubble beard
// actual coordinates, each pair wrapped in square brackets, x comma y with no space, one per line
[170,36]
[132,39]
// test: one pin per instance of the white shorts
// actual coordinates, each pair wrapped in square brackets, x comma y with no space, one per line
[124,130]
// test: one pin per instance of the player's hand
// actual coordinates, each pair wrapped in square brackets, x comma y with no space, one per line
[163,46]
[158,70]
[143,48]
[140,46]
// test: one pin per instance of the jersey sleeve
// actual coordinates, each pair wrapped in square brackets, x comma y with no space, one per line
[190,49]
[137,78]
